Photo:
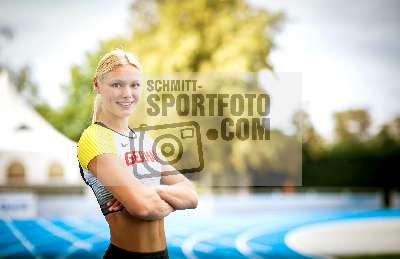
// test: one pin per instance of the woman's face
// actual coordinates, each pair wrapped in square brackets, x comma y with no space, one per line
[120,90]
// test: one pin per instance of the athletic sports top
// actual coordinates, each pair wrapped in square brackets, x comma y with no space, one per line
[136,150]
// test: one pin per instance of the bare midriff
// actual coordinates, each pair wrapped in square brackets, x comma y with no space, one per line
[136,235]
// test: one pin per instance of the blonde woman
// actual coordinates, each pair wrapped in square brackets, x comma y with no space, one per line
[133,200]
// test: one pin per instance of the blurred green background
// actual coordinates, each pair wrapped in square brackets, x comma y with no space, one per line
[226,36]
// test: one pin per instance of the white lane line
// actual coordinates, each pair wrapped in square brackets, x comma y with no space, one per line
[189,244]
[62,233]
[85,226]
[243,239]
[24,241]
[70,250]
[226,241]
[175,240]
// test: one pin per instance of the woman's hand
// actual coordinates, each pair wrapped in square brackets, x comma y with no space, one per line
[114,205]
[159,189]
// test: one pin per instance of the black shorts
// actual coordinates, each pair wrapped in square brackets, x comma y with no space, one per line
[114,251]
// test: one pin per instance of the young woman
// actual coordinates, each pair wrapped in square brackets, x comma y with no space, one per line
[133,200]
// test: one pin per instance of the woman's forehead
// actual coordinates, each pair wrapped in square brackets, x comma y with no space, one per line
[123,73]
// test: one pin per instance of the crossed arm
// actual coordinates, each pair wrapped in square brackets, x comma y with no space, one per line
[176,189]
[175,193]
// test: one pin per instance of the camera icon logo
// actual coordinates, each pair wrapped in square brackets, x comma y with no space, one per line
[176,144]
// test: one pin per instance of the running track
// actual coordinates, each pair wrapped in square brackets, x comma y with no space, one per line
[246,232]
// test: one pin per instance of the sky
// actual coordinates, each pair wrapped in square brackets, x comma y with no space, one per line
[348,52]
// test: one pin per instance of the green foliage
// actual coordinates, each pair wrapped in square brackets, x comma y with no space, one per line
[75,115]
[356,158]
[187,36]
[202,35]
[361,166]
[24,86]
[313,143]
[228,37]
[352,126]
[172,36]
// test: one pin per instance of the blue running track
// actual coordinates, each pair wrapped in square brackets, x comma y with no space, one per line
[230,234]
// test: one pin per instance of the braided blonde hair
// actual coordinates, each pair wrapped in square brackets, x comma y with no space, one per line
[108,63]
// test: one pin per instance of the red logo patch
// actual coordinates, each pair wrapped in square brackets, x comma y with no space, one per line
[133,157]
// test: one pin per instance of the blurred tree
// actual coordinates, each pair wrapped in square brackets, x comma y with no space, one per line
[171,36]
[23,83]
[313,143]
[358,159]
[352,126]
[389,134]
[180,36]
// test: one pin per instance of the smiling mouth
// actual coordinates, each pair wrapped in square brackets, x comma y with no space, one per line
[125,104]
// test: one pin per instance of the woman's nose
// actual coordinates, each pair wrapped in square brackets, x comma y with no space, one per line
[126,91]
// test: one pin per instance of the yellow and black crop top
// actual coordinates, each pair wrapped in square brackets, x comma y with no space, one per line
[136,150]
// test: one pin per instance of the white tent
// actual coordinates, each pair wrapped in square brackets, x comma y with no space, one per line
[30,142]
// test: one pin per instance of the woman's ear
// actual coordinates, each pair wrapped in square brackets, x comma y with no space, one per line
[95,85]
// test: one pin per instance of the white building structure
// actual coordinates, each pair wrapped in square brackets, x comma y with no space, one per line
[32,153]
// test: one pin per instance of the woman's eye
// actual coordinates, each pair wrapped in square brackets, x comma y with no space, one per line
[116,85]
[136,85]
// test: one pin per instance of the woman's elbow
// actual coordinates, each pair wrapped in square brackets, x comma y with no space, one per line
[152,208]
[140,212]
[144,213]
[194,204]
[194,201]
[141,209]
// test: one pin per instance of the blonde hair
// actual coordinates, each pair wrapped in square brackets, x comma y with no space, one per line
[108,63]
